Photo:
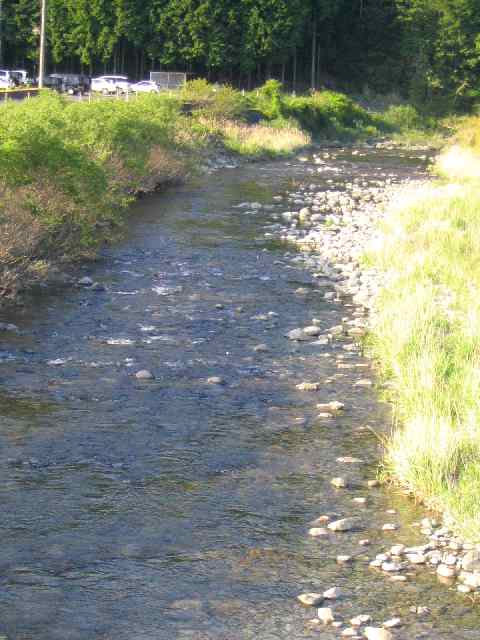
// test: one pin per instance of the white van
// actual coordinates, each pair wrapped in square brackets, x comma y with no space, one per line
[110,84]
[7,78]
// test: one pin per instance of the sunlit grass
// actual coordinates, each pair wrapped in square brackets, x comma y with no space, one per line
[260,140]
[427,336]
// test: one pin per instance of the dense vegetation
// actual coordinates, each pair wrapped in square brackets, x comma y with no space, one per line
[427,334]
[426,49]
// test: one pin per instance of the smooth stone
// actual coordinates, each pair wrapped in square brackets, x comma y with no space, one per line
[364,542]
[344,524]
[308,386]
[297,334]
[332,594]
[339,483]
[360,500]
[373,483]
[215,380]
[392,623]
[364,382]
[349,460]
[321,520]
[464,588]
[389,527]
[397,578]
[416,558]
[324,415]
[310,599]
[349,632]
[325,614]
[377,633]
[333,406]
[312,330]
[471,580]
[144,374]
[85,282]
[344,559]
[398,550]
[357,621]
[391,567]
[471,561]
[445,571]
[317,532]
[261,348]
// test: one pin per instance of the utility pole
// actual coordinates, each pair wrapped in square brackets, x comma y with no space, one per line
[43,21]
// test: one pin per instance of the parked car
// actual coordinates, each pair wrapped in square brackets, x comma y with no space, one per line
[4,84]
[109,85]
[72,83]
[21,77]
[7,76]
[145,86]
[52,82]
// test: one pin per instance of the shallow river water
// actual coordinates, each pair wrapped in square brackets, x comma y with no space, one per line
[174,508]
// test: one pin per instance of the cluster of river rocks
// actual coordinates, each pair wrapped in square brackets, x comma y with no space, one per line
[335,228]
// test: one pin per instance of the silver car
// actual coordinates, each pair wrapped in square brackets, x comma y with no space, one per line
[145,86]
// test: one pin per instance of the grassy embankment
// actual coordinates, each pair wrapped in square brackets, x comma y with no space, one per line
[427,335]
[68,169]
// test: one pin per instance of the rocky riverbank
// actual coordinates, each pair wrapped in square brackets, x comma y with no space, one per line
[335,228]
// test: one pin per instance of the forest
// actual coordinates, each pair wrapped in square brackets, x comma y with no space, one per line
[428,51]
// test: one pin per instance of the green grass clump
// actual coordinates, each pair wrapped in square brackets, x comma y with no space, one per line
[427,338]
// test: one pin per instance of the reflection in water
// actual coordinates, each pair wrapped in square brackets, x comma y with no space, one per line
[175,508]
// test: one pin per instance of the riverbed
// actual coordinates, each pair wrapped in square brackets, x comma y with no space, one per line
[178,507]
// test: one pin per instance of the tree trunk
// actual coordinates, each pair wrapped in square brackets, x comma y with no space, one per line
[314,51]
[318,66]
[294,83]
[1,33]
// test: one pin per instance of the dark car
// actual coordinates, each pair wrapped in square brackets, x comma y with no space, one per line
[72,83]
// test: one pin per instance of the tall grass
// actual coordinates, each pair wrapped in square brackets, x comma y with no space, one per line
[427,338]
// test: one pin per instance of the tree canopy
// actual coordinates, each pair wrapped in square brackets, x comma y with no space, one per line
[427,49]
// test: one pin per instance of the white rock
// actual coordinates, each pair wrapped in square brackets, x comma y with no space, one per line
[344,524]
[349,460]
[398,550]
[389,527]
[332,594]
[390,567]
[471,580]
[308,386]
[312,330]
[339,483]
[342,559]
[310,599]
[416,558]
[392,623]
[357,621]
[317,532]
[144,374]
[325,614]
[445,571]
[377,633]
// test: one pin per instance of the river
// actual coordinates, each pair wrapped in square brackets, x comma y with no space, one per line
[176,508]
